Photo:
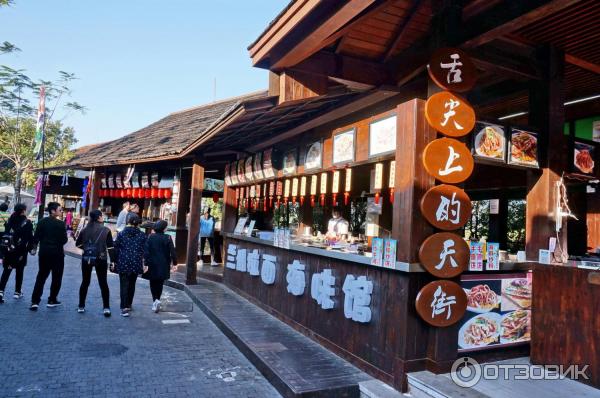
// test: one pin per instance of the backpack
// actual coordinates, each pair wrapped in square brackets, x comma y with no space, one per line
[90,250]
[9,243]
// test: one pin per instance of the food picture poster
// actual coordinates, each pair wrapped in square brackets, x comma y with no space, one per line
[583,158]
[523,148]
[498,311]
[489,141]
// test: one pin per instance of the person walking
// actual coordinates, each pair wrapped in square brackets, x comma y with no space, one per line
[129,249]
[159,260]
[207,232]
[122,218]
[16,241]
[51,236]
[96,241]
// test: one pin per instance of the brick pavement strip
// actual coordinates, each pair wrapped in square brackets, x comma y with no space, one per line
[57,352]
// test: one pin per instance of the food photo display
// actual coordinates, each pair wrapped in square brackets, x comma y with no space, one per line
[583,158]
[498,311]
[343,147]
[489,142]
[523,148]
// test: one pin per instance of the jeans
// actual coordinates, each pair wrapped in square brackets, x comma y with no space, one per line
[18,278]
[156,288]
[127,282]
[86,276]
[49,263]
[211,245]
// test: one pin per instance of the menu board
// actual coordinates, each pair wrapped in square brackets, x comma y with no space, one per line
[493,257]
[489,141]
[289,163]
[377,252]
[523,148]
[476,260]
[343,147]
[267,168]
[257,165]
[498,311]
[382,136]
[389,253]
[583,158]
[248,169]
[233,173]
[241,171]
[314,156]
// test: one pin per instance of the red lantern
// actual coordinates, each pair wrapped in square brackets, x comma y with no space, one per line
[138,193]
[167,194]
[128,193]
[153,193]
[123,193]
[147,193]
[216,197]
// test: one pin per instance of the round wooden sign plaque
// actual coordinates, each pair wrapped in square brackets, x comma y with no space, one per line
[441,303]
[449,114]
[448,160]
[444,255]
[452,69]
[446,207]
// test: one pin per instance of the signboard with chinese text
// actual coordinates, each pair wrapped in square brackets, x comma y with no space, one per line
[449,114]
[476,261]
[444,255]
[377,252]
[493,257]
[452,69]
[441,303]
[446,207]
[498,311]
[389,253]
[448,160]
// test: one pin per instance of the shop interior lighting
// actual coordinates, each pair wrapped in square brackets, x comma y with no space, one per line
[575,101]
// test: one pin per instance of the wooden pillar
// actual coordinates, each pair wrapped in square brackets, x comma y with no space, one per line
[183,206]
[194,223]
[546,114]
[229,210]
[94,191]
[409,227]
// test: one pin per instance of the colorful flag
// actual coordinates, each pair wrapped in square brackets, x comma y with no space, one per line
[39,128]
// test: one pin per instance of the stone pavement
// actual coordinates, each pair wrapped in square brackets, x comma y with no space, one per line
[60,353]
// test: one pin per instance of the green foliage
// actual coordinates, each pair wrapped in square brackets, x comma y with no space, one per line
[358,216]
[216,209]
[478,225]
[516,225]
[6,48]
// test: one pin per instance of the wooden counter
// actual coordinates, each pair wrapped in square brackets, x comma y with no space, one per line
[566,318]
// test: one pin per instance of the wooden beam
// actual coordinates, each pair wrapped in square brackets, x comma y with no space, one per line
[314,41]
[328,64]
[583,64]
[488,58]
[508,17]
[403,28]
[365,100]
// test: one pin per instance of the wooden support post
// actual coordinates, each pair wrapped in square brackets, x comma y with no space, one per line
[546,113]
[409,227]
[183,207]
[94,191]
[229,210]
[194,226]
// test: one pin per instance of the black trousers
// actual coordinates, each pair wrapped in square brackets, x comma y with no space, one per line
[18,278]
[86,276]
[156,288]
[49,263]
[211,245]
[127,282]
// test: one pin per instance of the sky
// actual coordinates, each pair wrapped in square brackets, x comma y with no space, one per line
[138,60]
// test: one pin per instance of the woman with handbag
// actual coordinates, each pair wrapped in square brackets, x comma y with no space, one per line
[95,240]
[160,260]
[129,248]
[16,241]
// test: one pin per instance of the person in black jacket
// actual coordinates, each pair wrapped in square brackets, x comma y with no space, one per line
[51,234]
[129,248]
[15,257]
[97,238]
[160,260]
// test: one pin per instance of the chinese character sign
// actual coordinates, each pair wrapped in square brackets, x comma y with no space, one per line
[448,160]
[441,303]
[446,207]
[357,298]
[240,264]
[231,255]
[444,255]
[253,263]
[322,289]
[476,262]
[449,114]
[493,257]
[452,69]
[389,253]
[295,278]
[268,269]
[377,252]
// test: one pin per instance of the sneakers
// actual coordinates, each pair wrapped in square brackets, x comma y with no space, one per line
[17,295]
[80,310]
[214,264]
[106,312]
[125,312]
[34,307]
[156,306]
[53,303]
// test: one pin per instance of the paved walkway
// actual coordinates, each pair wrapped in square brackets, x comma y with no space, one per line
[60,353]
